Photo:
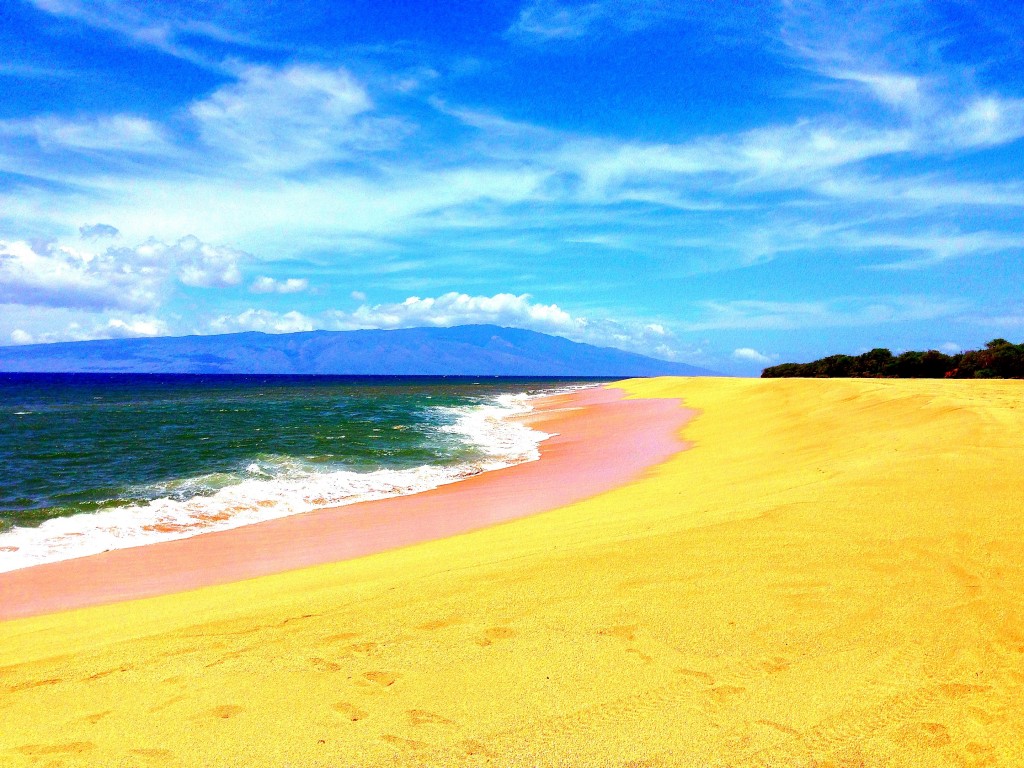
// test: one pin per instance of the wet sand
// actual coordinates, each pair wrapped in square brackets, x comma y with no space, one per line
[578,462]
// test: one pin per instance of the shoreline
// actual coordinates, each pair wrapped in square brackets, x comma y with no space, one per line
[600,440]
[820,580]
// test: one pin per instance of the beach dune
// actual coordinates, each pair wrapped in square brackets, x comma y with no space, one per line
[830,576]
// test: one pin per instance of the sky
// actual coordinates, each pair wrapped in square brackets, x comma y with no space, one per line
[729,185]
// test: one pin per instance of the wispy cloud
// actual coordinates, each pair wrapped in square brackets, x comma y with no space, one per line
[289,118]
[794,315]
[168,28]
[933,247]
[100,133]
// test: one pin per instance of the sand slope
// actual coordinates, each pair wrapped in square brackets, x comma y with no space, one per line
[833,575]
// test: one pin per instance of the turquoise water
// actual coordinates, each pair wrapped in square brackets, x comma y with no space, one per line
[93,461]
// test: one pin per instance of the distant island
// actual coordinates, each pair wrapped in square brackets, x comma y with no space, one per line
[466,350]
[1000,359]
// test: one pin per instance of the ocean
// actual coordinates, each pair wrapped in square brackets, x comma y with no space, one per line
[92,462]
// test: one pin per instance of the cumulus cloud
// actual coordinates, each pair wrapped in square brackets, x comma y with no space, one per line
[51,275]
[118,328]
[460,309]
[509,310]
[751,355]
[263,320]
[264,284]
[450,309]
[43,325]
[193,262]
[289,118]
[97,231]
[54,275]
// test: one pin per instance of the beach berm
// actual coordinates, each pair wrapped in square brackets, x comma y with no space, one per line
[831,575]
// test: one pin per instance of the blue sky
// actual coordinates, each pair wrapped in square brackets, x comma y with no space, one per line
[725,184]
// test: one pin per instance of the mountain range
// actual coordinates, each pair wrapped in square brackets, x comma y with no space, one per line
[467,350]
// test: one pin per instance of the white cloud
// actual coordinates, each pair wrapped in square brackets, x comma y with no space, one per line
[151,25]
[358,295]
[983,122]
[460,309]
[554,20]
[895,89]
[510,310]
[137,326]
[194,262]
[263,320]
[290,118]
[932,247]
[450,309]
[36,324]
[784,316]
[102,133]
[49,274]
[264,284]
[751,355]
[549,20]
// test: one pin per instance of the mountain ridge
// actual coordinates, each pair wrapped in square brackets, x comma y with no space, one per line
[464,350]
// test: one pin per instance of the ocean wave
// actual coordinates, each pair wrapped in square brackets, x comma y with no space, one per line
[274,487]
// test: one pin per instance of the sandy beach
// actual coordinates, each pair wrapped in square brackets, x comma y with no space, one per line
[829,575]
[577,463]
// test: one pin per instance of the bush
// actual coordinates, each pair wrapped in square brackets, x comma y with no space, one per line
[999,359]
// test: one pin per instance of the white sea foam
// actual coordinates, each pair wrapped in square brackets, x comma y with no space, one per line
[271,489]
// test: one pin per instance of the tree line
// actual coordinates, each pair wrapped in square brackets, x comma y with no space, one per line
[998,360]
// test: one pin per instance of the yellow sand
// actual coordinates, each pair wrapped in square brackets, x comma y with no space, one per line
[831,576]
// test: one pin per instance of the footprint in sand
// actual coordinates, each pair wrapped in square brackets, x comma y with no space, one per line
[725,692]
[107,672]
[473,747]
[34,684]
[777,664]
[440,623]
[154,754]
[404,743]
[704,677]
[380,678]
[491,634]
[623,632]
[640,655]
[72,747]
[362,647]
[924,734]
[349,711]
[338,637]
[225,711]
[323,665]
[423,717]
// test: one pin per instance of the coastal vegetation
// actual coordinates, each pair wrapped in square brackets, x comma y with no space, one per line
[1000,359]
